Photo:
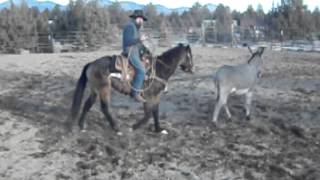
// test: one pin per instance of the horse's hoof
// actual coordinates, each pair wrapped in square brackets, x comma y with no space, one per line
[83,130]
[248,118]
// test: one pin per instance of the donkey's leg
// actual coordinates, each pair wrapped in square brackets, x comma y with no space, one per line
[87,106]
[147,114]
[225,105]
[227,111]
[221,101]
[217,108]
[216,111]
[248,104]
[104,102]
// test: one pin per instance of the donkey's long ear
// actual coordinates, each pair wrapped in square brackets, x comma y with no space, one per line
[260,50]
[250,50]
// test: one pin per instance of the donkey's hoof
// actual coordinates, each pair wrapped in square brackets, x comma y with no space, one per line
[229,119]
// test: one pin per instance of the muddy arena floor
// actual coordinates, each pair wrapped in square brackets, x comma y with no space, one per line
[280,142]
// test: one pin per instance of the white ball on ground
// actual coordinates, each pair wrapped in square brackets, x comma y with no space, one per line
[164,132]
[119,133]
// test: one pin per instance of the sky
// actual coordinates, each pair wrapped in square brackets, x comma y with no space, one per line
[240,5]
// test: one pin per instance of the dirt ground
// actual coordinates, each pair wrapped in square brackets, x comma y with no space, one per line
[281,141]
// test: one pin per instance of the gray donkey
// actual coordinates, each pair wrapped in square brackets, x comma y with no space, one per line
[239,79]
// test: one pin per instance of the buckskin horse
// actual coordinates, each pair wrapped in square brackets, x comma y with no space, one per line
[99,73]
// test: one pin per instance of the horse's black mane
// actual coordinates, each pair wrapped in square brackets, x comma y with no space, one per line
[171,52]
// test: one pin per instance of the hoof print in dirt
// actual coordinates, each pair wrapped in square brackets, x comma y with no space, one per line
[82,165]
[62,176]
[3,149]
[135,127]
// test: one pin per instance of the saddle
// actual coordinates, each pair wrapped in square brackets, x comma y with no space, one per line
[127,70]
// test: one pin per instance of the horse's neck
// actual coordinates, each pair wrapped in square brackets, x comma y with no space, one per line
[165,70]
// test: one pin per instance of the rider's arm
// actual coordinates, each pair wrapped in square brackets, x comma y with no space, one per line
[128,36]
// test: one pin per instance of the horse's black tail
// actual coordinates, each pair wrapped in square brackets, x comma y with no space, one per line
[78,94]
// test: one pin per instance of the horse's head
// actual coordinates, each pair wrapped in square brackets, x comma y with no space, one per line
[186,63]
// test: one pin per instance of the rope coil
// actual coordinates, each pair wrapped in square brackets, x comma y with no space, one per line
[152,76]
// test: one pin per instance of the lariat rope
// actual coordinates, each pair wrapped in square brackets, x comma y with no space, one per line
[152,75]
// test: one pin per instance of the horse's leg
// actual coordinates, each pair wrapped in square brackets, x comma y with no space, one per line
[148,107]
[155,113]
[87,106]
[248,104]
[104,102]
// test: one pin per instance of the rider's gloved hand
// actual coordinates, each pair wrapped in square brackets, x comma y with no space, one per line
[143,37]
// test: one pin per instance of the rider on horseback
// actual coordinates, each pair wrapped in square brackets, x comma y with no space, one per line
[131,44]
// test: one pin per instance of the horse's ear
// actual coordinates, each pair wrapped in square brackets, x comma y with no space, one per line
[188,47]
[180,44]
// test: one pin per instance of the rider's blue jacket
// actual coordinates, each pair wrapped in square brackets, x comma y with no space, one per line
[130,36]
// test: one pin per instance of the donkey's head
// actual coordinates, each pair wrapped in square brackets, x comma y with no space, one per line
[257,54]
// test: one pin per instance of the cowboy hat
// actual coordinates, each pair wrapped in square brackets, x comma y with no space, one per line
[138,13]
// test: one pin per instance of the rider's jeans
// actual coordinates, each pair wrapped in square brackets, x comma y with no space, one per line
[140,71]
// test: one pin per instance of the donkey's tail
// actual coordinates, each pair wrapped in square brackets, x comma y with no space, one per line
[78,94]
